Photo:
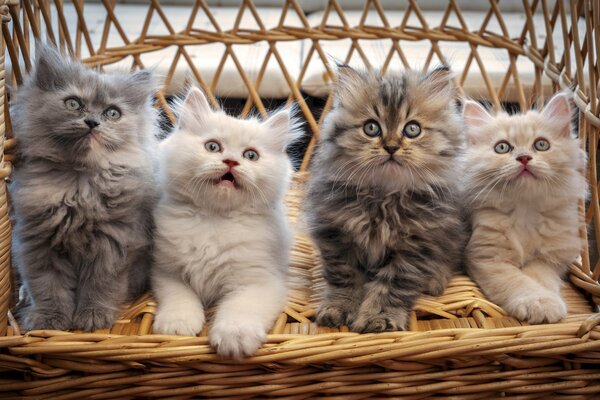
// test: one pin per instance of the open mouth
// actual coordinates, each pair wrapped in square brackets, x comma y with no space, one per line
[227,180]
[526,172]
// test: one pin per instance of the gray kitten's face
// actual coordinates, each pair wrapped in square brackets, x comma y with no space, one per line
[394,131]
[68,113]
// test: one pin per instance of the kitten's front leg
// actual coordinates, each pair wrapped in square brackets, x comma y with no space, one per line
[389,299]
[244,317]
[51,282]
[180,311]
[516,292]
[552,308]
[102,287]
[344,290]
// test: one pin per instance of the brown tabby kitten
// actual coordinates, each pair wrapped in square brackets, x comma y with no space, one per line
[382,200]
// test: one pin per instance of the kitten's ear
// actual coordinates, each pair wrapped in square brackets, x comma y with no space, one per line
[475,117]
[50,68]
[195,109]
[440,79]
[558,111]
[284,128]
[140,86]
[348,79]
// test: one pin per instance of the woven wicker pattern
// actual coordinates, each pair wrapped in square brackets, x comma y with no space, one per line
[460,345]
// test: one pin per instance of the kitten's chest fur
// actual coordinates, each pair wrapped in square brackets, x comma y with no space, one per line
[375,225]
[78,207]
[530,231]
[215,253]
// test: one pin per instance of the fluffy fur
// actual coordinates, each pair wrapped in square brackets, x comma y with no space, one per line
[383,210]
[220,242]
[525,224]
[81,197]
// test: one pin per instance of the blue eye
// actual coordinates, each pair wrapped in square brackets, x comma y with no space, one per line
[112,113]
[251,155]
[212,146]
[412,129]
[372,128]
[502,147]
[541,144]
[73,104]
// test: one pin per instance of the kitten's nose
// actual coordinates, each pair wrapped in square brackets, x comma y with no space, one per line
[391,148]
[92,123]
[524,159]
[231,163]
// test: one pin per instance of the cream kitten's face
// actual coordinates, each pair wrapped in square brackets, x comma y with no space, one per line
[528,155]
[219,162]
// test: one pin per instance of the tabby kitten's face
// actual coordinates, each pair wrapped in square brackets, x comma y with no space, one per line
[530,154]
[74,115]
[393,131]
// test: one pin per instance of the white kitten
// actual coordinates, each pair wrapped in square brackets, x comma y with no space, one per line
[524,177]
[222,237]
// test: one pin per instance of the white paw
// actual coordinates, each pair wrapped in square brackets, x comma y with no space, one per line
[234,340]
[539,308]
[179,322]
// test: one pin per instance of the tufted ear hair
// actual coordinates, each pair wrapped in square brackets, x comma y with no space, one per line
[50,68]
[440,79]
[141,86]
[195,109]
[559,112]
[476,117]
[348,79]
[284,127]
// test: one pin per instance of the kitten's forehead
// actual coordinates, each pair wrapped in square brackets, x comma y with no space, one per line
[99,89]
[237,132]
[519,129]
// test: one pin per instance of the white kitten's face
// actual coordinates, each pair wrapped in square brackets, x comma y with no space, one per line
[219,162]
[527,155]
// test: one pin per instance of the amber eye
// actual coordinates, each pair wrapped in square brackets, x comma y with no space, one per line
[73,104]
[372,128]
[212,146]
[541,144]
[502,147]
[412,129]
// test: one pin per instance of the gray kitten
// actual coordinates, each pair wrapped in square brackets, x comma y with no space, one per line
[82,192]
[382,200]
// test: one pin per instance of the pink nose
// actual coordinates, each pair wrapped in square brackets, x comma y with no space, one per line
[524,159]
[231,163]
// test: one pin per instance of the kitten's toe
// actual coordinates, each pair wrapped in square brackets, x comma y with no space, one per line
[331,316]
[232,340]
[178,323]
[93,318]
[45,319]
[380,323]
[539,309]
[436,287]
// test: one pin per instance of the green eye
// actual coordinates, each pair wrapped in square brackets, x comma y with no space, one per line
[112,113]
[73,104]
[212,146]
[372,128]
[541,145]
[251,155]
[412,129]
[502,147]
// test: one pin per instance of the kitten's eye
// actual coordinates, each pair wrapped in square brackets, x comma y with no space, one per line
[212,146]
[73,104]
[541,144]
[112,113]
[412,129]
[251,155]
[372,128]
[502,147]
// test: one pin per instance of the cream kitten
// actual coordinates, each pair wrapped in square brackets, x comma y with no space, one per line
[524,176]
[222,237]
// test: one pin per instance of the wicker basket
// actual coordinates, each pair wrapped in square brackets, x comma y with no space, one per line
[460,345]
